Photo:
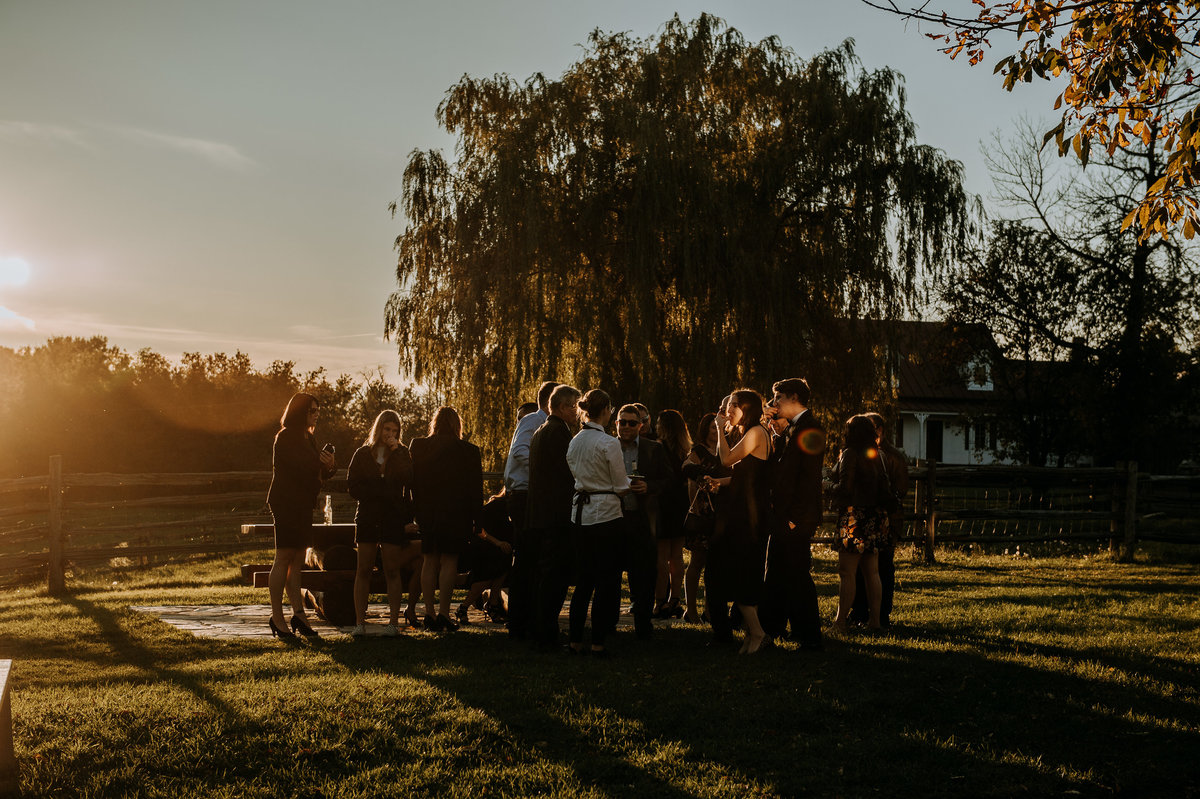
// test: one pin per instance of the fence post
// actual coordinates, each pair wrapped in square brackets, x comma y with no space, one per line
[930,512]
[56,581]
[1131,488]
[1118,497]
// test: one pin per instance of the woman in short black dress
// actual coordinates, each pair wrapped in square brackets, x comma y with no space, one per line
[380,478]
[297,471]
[672,508]
[738,550]
[448,491]
[863,500]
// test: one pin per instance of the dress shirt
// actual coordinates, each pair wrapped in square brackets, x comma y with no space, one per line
[516,467]
[597,465]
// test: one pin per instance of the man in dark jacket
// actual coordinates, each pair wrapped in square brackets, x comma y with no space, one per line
[647,460]
[796,502]
[548,529]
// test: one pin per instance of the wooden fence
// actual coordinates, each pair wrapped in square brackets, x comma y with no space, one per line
[50,521]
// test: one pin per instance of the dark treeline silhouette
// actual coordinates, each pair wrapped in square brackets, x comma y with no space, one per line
[106,410]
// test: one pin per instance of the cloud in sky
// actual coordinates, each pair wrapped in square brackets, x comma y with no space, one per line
[11,320]
[12,130]
[218,153]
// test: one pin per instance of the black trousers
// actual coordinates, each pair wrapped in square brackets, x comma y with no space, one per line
[791,594]
[640,560]
[598,549]
[555,571]
[860,611]
[522,581]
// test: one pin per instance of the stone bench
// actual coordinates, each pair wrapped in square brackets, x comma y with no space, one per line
[9,773]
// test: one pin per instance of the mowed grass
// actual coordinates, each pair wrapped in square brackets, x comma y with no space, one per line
[1003,676]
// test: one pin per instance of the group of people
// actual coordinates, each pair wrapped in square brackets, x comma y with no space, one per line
[581,507]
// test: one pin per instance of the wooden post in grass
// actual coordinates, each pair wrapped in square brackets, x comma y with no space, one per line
[9,773]
[1118,498]
[930,511]
[1129,543]
[56,579]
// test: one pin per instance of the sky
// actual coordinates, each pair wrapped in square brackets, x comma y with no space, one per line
[214,176]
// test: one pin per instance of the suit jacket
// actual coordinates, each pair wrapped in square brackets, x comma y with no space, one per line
[384,500]
[796,479]
[652,465]
[447,484]
[296,471]
[551,485]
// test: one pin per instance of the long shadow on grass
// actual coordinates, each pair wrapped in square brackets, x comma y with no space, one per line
[673,718]
[532,716]
[1171,671]
[115,635]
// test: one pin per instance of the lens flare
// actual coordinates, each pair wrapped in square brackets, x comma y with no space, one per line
[812,441]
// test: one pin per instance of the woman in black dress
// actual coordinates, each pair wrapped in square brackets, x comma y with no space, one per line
[863,500]
[448,491]
[297,471]
[737,554]
[672,508]
[380,478]
[705,475]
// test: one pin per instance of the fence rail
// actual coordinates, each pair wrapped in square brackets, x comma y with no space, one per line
[950,504]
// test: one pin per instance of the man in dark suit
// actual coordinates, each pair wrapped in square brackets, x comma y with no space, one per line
[646,459]
[548,529]
[895,466]
[798,450]
[516,492]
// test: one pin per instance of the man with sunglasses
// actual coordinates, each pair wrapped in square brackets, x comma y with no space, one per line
[646,463]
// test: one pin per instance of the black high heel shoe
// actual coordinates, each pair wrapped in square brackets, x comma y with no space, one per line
[410,616]
[284,633]
[300,626]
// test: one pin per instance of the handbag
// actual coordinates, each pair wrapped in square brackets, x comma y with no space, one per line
[700,515]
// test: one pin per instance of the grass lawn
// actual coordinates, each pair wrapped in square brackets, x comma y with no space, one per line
[1003,676]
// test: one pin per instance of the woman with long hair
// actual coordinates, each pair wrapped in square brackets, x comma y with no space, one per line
[600,480]
[297,471]
[448,492]
[738,551]
[863,500]
[705,475]
[380,478]
[672,508]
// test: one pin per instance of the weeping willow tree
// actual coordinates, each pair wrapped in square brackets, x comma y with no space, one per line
[673,217]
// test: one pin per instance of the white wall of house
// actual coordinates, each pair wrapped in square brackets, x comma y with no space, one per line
[961,444]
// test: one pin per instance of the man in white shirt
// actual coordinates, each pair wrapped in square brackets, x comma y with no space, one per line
[516,489]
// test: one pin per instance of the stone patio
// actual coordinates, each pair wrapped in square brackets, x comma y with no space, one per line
[231,622]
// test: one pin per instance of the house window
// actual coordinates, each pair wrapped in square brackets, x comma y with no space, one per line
[900,432]
[985,436]
[979,376]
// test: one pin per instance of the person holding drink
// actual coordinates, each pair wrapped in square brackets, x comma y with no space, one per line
[380,478]
[297,471]
[646,465]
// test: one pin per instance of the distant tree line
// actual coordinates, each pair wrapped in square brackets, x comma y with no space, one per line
[107,410]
